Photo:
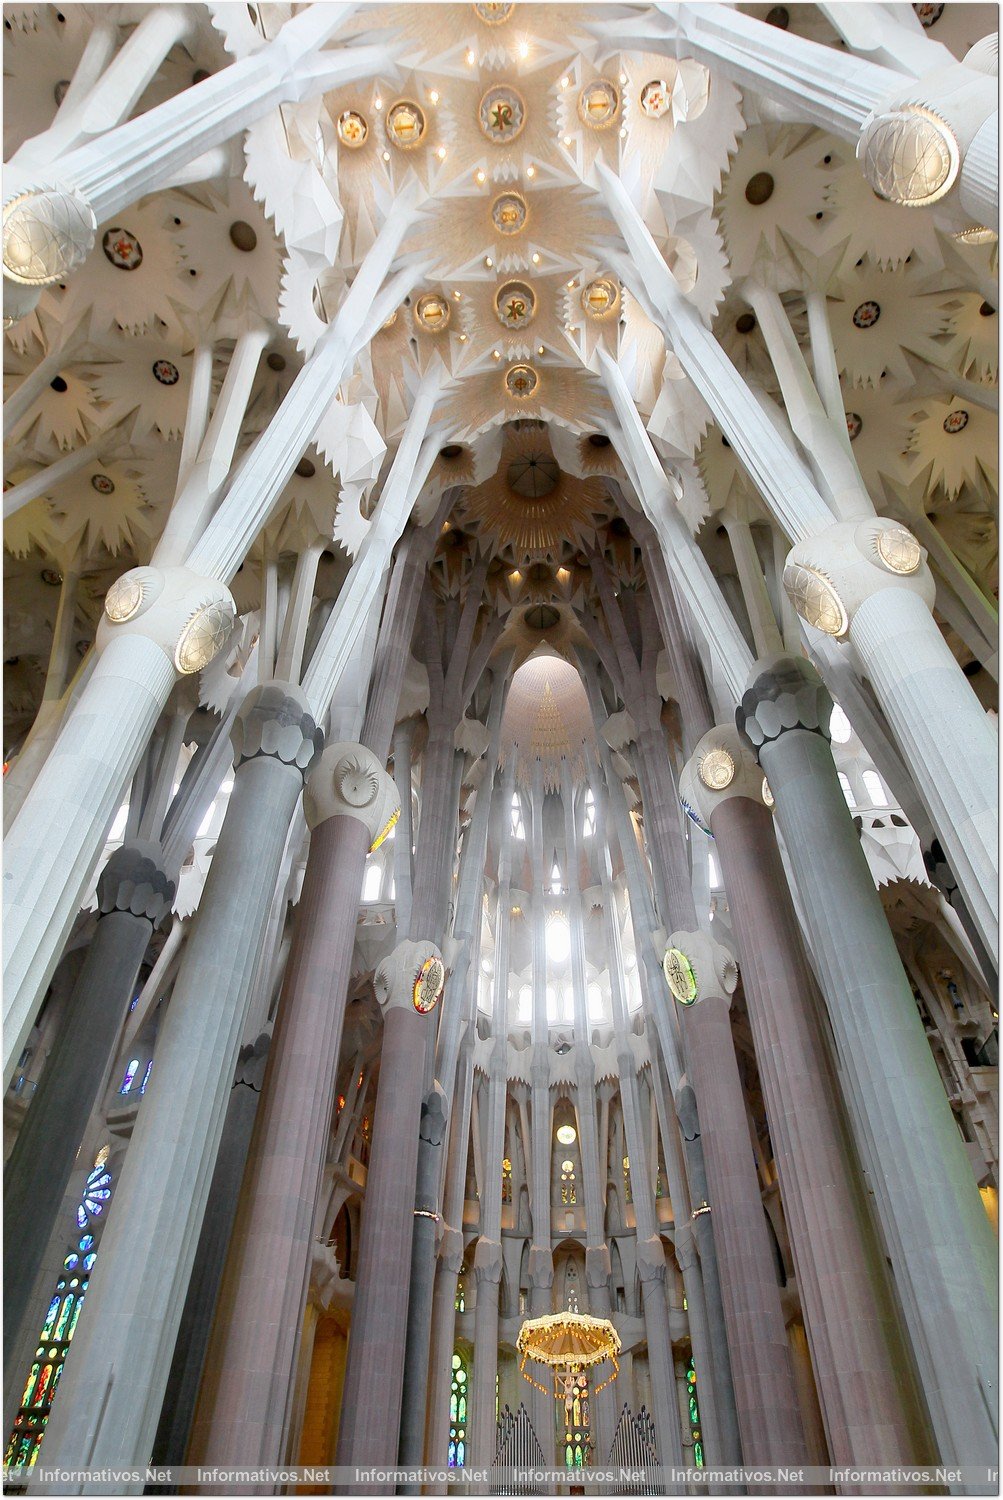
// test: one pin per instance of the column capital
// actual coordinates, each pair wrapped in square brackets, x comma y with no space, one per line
[434,1116]
[188,616]
[829,576]
[721,767]
[134,880]
[783,692]
[685,1245]
[696,967]
[349,781]
[412,977]
[487,1260]
[275,720]
[450,1249]
[47,232]
[598,1267]
[541,1266]
[651,1259]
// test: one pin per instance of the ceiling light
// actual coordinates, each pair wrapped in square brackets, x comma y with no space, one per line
[623,133]
[623,78]
[471,58]
[386,156]
[441,153]
[540,349]
[488,262]
[536,258]
[496,354]
[567,140]
[565,82]
[570,285]
[463,338]
[523,49]
[457,296]
[433,95]
[480,177]
[530,171]
[377,103]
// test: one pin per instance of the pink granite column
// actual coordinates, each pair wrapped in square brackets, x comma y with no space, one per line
[374,1374]
[861,1367]
[243,1412]
[702,978]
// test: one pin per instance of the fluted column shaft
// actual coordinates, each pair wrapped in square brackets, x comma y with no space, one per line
[134,895]
[938,1239]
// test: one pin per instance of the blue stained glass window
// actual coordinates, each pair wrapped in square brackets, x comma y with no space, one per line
[89,1260]
[130,1074]
[458,1412]
[81,1217]
[50,1319]
[86,1241]
[146,1076]
[71,1262]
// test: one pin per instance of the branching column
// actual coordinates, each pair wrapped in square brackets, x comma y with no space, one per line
[842,1279]
[937,1236]
[114,1380]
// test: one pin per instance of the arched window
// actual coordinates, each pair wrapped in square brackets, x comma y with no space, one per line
[589,826]
[130,1074]
[458,1413]
[506,1181]
[840,728]
[577,1440]
[568,1186]
[844,782]
[146,1076]
[517,825]
[628,1195]
[694,1415]
[524,1008]
[59,1325]
[556,880]
[558,939]
[597,1006]
[372,882]
[874,789]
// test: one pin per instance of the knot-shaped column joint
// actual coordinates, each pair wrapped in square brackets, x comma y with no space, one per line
[189,617]
[349,781]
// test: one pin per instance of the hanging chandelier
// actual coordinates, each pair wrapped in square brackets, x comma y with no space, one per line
[569,1343]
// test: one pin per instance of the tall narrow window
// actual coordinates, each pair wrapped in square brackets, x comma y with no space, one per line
[627,1193]
[506,1181]
[130,1074]
[694,1415]
[568,1186]
[458,1413]
[59,1325]
[556,883]
[874,789]
[589,826]
[844,782]
[518,827]
[371,884]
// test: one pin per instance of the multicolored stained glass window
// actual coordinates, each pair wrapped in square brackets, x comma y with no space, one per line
[694,1414]
[458,1412]
[59,1326]
[576,1436]
[130,1074]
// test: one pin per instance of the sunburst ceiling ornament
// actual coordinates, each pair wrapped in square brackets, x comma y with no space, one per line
[521,381]
[601,298]
[509,213]
[501,114]
[406,125]
[493,12]
[547,718]
[432,312]
[599,104]
[534,475]
[353,129]
[656,99]
[515,305]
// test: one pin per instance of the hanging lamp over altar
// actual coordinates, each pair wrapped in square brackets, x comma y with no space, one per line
[569,1343]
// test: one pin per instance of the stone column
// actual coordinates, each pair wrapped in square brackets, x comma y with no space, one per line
[243,1409]
[408,985]
[937,1236]
[113,1384]
[487,1273]
[868,581]
[181,1394]
[702,976]
[431,1135]
[842,1280]
[134,897]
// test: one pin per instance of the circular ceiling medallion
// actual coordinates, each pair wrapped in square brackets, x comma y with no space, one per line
[406,125]
[815,599]
[165,372]
[854,423]
[515,305]
[866,315]
[601,298]
[759,189]
[102,484]
[431,312]
[898,549]
[122,249]
[353,130]
[495,14]
[768,796]
[679,976]
[716,769]
[509,213]
[599,104]
[123,599]
[429,984]
[656,97]
[533,475]
[909,156]
[521,381]
[956,421]
[501,114]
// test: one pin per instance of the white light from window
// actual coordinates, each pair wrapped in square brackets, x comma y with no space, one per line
[524,1009]
[715,873]
[844,782]
[556,884]
[558,940]
[874,789]
[839,725]
[597,1007]
[590,813]
[518,830]
[486,965]
[371,884]
[117,830]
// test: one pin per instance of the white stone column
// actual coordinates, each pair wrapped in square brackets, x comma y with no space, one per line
[114,1380]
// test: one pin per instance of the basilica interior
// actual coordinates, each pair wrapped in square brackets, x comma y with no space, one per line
[500,642]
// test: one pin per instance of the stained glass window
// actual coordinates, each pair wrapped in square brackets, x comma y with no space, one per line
[568,1187]
[627,1190]
[577,1438]
[694,1414]
[146,1076]
[59,1325]
[506,1181]
[130,1074]
[458,1412]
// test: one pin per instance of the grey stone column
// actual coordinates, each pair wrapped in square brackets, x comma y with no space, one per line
[374,1375]
[702,976]
[937,1236]
[431,1135]
[842,1279]
[114,1380]
[134,897]
[183,1381]
[483,1427]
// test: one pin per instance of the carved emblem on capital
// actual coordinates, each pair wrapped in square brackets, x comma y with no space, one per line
[697,967]
[349,782]
[412,977]
[47,232]
[702,785]
[189,617]
[828,577]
